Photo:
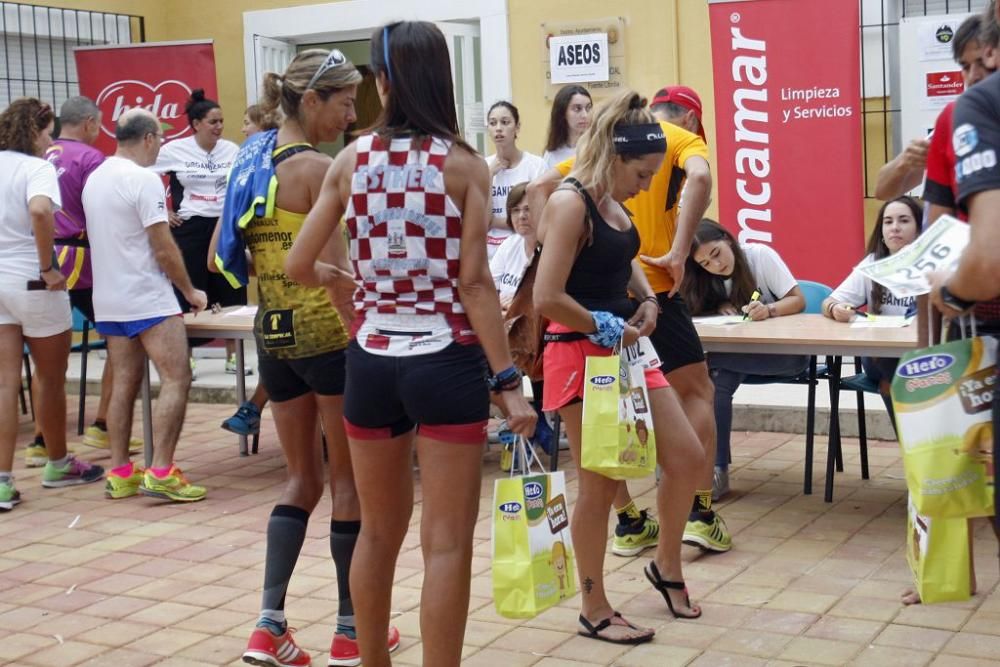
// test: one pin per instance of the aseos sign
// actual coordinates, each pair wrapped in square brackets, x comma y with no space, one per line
[579,58]
[158,77]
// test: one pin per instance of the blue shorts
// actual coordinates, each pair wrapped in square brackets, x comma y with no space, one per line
[128,329]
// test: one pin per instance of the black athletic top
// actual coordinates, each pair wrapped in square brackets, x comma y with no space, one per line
[976,140]
[599,277]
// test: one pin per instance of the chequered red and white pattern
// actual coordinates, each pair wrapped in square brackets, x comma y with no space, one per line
[405,231]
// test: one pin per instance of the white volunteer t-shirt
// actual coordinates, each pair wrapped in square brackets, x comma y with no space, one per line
[857,288]
[23,177]
[773,278]
[121,199]
[552,158]
[508,264]
[202,175]
[528,169]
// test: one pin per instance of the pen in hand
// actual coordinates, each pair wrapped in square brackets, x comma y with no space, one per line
[859,313]
[753,297]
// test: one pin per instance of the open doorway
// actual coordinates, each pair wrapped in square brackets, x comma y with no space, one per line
[476,32]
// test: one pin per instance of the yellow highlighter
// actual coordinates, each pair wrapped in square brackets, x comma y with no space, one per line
[753,297]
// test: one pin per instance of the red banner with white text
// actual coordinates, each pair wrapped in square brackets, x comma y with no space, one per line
[788,130]
[157,77]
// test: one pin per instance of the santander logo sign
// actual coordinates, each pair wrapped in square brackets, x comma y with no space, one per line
[166,99]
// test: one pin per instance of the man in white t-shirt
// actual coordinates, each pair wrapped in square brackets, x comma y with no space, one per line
[136,262]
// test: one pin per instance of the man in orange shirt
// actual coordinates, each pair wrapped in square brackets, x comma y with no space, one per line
[666,216]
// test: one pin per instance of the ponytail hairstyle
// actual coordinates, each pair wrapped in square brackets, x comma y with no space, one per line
[198,106]
[285,91]
[595,152]
[705,292]
[22,122]
[558,125]
[265,120]
[877,247]
[413,57]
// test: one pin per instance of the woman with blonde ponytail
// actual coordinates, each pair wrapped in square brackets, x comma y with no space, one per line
[587,270]
[301,339]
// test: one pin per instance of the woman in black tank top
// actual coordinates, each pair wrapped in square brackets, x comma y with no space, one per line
[586,272]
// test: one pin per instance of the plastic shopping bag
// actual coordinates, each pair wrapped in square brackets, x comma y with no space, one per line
[617,439]
[938,553]
[943,396]
[533,564]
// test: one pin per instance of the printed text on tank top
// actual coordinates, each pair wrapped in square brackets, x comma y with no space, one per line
[405,235]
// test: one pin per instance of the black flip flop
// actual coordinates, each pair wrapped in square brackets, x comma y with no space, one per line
[659,583]
[594,631]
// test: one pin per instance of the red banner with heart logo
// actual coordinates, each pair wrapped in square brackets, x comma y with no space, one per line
[154,76]
[788,129]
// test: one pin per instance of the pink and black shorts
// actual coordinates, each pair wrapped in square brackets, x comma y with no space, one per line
[564,363]
[443,394]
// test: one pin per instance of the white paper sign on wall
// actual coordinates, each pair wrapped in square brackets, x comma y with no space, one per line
[579,58]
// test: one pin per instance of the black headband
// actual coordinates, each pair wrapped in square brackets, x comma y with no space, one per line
[639,139]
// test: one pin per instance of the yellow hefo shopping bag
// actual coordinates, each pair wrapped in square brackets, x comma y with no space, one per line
[938,553]
[943,396]
[617,439]
[533,564]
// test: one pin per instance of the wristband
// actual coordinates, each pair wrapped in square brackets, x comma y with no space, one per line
[953,301]
[829,309]
[653,300]
[609,329]
[505,380]
[40,272]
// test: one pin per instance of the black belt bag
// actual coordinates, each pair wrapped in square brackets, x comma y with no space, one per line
[75,242]
[565,337]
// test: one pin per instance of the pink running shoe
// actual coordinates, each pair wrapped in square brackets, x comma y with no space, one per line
[344,650]
[266,650]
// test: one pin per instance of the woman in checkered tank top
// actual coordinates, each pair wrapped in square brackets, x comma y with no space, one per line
[428,332]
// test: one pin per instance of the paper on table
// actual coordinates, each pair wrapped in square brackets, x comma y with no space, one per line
[881,322]
[719,320]
[243,311]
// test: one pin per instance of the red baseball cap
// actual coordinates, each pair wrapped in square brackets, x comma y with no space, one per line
[681,96]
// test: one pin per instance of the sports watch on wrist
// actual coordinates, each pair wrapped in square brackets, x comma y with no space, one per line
[505,380]
[953,301]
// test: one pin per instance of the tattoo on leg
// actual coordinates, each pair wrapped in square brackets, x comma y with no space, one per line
[588,585]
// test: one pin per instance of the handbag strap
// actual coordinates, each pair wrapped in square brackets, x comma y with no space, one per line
[963,321]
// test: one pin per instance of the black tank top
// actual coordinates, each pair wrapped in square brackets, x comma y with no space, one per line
[599,277]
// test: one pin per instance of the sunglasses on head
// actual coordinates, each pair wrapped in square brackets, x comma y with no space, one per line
[334,59]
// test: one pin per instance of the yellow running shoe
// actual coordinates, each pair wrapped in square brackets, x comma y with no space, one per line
[506,458]
[709,535]
[97,437]
[173,487]
[116,486]
[634,538]
[35,455]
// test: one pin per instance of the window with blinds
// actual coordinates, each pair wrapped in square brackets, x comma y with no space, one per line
[36,47]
